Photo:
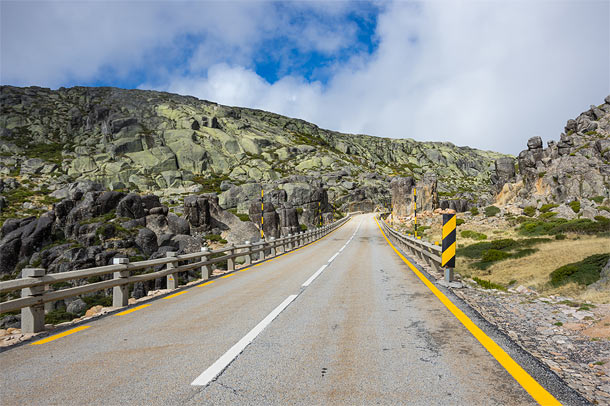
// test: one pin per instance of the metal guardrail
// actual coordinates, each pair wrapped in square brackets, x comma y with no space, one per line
[421,250]
[34,282]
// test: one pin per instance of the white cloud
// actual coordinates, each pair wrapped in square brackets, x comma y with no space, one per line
[482,73]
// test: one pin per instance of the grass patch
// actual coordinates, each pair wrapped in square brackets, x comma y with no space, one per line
[558,324]
[584,272]
[489,252]
[551,226]
[473,235]
[474,211]
[303,227]
[216,238]
[459,222]
[485,284]
[59,316]
[210,185]
[241,216]
[598,199]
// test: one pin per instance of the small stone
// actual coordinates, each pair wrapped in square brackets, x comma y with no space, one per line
[3,333]
[12,330]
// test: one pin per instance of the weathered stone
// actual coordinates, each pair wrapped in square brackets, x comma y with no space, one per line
[77,307]
[131,206]
[147,241]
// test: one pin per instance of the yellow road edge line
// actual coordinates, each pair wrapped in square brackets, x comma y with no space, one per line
[226,276]
[206,283]
[536,391]
[60,335]
[174,295]
[132,310]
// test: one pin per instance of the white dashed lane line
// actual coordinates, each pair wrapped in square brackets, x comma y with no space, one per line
[223,362]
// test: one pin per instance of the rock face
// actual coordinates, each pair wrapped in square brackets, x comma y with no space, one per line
[402,195]
[575,168]
[146,141]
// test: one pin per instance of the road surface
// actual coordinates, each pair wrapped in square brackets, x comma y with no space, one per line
[343,321]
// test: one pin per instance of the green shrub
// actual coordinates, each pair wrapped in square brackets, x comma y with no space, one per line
[575,206]
[303,227]
[58,316]
[560,237]
[598,199]
[523,253]
[98,299]
[215,238]
[493,255]
[299,210]
[584,272]
[491,211]
[606,208]
[473,235]
[546,207]
[475,211]
[529,211]
[459,222]
[488,284]
[559,226]
[541,174]
[547,215]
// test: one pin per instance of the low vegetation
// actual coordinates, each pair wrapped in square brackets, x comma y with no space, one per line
[486,253]
[491,211]
[583,272]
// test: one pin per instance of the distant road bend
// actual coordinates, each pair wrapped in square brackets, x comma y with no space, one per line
[343,321]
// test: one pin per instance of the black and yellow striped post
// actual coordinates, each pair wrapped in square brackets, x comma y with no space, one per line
[262,213]
[320,212]
[448,255]
[415,209]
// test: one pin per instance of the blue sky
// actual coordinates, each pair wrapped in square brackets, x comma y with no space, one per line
[488,74]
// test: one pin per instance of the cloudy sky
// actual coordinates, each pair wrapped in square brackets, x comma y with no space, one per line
[488,74]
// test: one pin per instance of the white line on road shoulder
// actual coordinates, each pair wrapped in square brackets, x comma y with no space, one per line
[314,276]
[217,367]
[333,258]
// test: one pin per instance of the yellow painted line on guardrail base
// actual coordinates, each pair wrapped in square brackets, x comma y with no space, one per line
[524,379]
[174,295]
[206,283]
[60,335]
[132,310]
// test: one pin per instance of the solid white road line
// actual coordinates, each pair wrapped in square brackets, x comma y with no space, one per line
[314,276]
[217,367]
[333,258]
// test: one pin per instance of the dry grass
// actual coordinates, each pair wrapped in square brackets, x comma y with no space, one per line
[534,270]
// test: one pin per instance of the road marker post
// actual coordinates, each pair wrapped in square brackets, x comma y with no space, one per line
[32,317]
[206,270]
[449,244]
[172,283]
[415,210]
[120,294]
[262,213]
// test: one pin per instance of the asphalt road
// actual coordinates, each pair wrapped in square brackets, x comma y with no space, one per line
[365,330]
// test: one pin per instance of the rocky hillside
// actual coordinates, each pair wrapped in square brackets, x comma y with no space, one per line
[173,145]
[572,173]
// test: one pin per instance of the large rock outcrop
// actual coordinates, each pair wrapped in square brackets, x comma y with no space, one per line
[575,168]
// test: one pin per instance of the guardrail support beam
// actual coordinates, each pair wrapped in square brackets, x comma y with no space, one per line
[231,261]
[32,318]
[206,270]
[120,294]
[172,279]
[247,254]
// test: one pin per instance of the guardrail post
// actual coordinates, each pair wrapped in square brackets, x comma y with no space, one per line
[272,240]
[206,270]
[231,261]
[32,318]
[261,256]
[172,279]
[248,254]
[120,294]
[300,239]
